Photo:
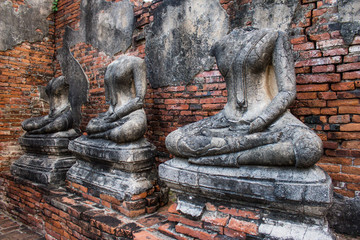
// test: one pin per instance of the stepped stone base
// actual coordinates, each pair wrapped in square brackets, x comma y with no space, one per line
[45,169]
[124,173]
[130,157]
[46,159]
[265,202]
[103,180]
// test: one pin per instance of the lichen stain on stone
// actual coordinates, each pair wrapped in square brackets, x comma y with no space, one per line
[28,22]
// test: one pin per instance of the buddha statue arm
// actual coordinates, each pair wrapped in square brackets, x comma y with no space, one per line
[139,76]
[283,63]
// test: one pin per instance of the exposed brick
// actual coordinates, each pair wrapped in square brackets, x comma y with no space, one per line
[330,168]
[141,235]
[318,37]
[349,109]
[351,75]
[350,127]
[329,43]
[312,87]
[195,232]
[339,119]
[323,69]
[327,95]
[343,86]
[348,67]
[234,234]
[336,160]
[186,221]
[215,219]
[243,226]
[304,46]
[299,39]
[318,61]
[351,144]
[344,135]
[318,78]
[345,102]
[172,209]
[306,95]
[335,52]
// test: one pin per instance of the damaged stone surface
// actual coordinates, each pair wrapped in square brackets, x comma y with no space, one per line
[290,202]
[15,26]
[344,215]
[349,11]
[264,14]
[301,191]
[106,25]
[179,39]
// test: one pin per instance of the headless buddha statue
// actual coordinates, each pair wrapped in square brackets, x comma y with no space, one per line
[255,127]
[59,120]
[125,89]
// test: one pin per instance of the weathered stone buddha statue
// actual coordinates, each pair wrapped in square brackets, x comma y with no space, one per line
[114,158]
[47,159]
[254,153]
[125,88]
[59,120]
[255,127]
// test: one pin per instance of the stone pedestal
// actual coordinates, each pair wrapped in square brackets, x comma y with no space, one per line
[46,159]
[124,173]
[285,202]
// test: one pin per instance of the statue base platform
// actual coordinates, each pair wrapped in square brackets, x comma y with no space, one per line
[256,201]
[124,172]
[130,157]
[46,159]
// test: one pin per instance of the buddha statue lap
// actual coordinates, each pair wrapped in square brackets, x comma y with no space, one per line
[255,127]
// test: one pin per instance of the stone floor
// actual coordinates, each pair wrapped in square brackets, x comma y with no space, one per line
[11,229]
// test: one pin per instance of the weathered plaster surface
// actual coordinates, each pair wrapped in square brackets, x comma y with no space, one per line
[349,12]
[28,22]
[107,26]
[178,41]
[264,14]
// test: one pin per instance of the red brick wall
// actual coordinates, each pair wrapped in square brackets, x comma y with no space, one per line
[327,77]
[328,94]
[22,70]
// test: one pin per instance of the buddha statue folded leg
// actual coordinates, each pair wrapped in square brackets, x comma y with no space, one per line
[199,145]
[35,123]
[47,124]
[127,129]
[298,146]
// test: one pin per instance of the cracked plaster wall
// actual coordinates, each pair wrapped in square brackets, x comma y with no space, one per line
[28,22]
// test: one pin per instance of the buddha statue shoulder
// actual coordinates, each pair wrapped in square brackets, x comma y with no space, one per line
[255,127]
[125,89]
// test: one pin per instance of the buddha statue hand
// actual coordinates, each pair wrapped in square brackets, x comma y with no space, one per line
[257,125]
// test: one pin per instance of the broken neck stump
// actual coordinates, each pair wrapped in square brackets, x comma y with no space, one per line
[254,158]
[115,163]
